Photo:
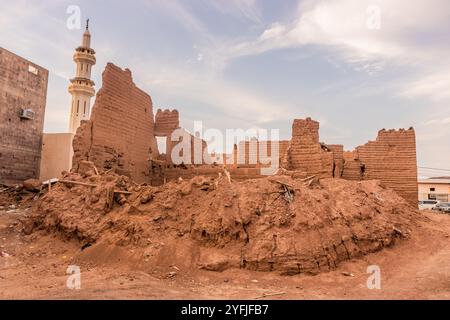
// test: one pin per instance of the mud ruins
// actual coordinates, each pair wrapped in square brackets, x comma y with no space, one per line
[323,206]
[122,131]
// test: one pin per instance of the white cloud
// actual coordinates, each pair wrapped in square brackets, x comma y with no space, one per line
[247,9]
[435,86]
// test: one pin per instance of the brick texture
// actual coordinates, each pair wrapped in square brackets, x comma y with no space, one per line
[392,159]
[23,85]
[306,153]
[120,132]
[166,122]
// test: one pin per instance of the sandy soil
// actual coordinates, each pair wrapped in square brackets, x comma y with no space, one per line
[34,267]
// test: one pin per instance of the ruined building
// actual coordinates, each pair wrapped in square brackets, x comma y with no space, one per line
[121,135]
[23,95]
[120,132]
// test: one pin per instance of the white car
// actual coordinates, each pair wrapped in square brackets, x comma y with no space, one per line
[427,204]
[443,207]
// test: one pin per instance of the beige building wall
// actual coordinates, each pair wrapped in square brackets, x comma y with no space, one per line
[434,191]
[57,155]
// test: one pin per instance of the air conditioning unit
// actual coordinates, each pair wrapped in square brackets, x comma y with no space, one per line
[27,114]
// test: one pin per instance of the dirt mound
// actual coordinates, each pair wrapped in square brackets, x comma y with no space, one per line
[272,224]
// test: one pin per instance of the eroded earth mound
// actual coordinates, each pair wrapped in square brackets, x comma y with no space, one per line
[276,223]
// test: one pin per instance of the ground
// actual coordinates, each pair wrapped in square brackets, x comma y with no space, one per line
[34,267]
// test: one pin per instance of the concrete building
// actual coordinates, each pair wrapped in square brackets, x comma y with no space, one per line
[23,95]
[57,151]
[82,87]
[435,189]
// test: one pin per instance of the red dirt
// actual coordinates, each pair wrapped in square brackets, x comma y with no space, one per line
[215,224]
[36,269]
[171,242]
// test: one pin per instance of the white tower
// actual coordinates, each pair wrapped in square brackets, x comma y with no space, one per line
[82,87]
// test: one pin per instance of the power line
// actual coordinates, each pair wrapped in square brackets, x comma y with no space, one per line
[435,169]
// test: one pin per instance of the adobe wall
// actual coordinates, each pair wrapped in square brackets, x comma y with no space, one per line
[338,159]
[353,168]
[23,85]
[166,121]
[392,159]
[120,132]
[306,153]
[250,153]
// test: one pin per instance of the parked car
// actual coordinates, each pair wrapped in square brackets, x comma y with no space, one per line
[427,204]
[443,207]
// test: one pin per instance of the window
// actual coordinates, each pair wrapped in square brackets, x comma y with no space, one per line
[432,189]
[84,107]
[78,106]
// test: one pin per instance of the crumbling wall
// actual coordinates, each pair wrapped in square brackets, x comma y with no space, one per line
[338,159]
[306,153]
[120,132]
[251,153]
[353,168]
[392,159]
[166,122]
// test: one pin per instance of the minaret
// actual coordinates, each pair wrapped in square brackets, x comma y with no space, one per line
[82,87]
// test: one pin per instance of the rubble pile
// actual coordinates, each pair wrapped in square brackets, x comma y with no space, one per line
[20,194]
[275,223]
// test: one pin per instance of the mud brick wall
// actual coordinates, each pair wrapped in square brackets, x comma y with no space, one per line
[166,122]
[120,132]
[353,169]
[23,85]
[305,152]
[338,159]
[392,159]
[253,150]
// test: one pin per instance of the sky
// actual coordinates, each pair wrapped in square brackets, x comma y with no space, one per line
[356,66]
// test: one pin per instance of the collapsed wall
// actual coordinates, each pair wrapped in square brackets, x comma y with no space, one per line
[390,159]
[120,132]
[306,153]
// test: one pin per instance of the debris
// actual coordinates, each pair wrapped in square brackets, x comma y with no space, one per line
[171,274]
[146,197]
[397,231]
[347,274]
[85,246]
[265,295]
[3,254]
[78,183]
[287,192]
[219,223]
[32,185]
[307,179]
